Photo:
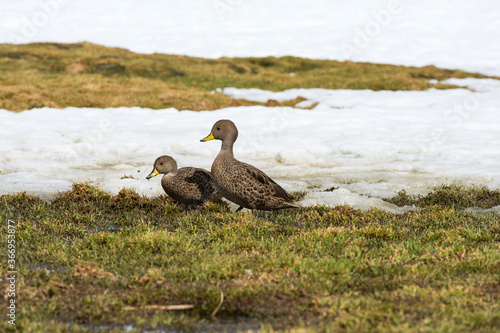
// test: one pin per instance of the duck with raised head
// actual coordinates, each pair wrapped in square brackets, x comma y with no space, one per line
[188,185]
[242,183]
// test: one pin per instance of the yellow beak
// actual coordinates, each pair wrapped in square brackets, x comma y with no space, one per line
[153,173]
[208,138]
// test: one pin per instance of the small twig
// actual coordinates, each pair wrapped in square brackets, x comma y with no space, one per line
[220,302]
[160,307]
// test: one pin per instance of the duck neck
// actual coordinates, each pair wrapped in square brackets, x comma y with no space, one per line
[171,173]
[227,147]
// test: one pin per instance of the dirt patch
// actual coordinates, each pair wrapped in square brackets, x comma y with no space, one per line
[76,68]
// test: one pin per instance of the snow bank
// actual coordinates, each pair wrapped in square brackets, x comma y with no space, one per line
[369,145]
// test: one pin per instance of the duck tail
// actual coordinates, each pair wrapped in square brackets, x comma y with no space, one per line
[291,205]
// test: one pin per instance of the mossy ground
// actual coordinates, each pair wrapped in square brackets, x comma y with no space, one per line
[88,75]
[90,258]
[452,196]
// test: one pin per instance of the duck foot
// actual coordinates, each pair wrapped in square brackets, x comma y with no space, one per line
[258,215]
[187,208]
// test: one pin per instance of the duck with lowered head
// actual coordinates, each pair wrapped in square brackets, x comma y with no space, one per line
[188,185]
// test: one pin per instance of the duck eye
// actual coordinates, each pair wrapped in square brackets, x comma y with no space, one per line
[161,163]
[218,128]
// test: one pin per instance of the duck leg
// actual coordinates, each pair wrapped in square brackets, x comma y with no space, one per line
[258,215]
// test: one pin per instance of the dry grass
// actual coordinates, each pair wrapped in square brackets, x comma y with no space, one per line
[89,75]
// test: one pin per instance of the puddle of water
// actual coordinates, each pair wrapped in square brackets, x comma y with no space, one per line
[108,228]
[48,268]
[227,326]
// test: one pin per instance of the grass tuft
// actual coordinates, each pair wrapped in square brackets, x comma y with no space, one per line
[451,196]
[298,195]
[128,200]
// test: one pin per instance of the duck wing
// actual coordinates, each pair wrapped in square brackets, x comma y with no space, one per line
[204,172]
[264,179]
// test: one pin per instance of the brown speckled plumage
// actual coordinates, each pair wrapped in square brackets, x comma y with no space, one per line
[240,182]
[190,186]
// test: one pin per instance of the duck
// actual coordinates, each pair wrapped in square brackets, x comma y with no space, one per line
[188,185]
[242,183]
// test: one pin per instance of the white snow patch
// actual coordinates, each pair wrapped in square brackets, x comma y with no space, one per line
[368,144]
[492,210]
[480,85]
[343,196]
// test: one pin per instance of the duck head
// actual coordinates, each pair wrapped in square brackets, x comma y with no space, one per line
[224,130]
[164,165]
